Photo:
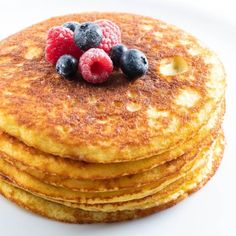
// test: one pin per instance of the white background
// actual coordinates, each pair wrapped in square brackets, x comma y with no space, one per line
[210,211]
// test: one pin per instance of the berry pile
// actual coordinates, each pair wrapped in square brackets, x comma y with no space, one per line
[92,49]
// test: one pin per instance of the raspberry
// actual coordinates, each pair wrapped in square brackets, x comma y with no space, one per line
[59,42]
[111,34]
[95,66]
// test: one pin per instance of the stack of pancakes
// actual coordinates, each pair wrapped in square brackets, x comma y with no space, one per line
[76,152]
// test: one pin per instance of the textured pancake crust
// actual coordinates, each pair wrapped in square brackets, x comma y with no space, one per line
[158,174]
[89,176]
[171,196]
[119,120]
[31,184]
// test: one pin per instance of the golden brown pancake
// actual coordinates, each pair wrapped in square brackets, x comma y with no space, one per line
[170,196]
[67,173]
[156,174]
[31,184]
[84,153]
[197,172]
[120,120]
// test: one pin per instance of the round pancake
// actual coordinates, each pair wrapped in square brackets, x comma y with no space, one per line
[31,184]
[196,173]
[60,171]
[143,201]
[66,214]
[62,213]
[156,174]
[120,120]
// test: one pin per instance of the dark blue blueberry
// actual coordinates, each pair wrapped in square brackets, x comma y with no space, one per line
[71,25]
[133,63]
[87,35]
[116,53]
[67,66]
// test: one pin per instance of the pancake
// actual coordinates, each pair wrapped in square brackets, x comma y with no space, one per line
[83,153]
[155,175]
[141,202]
[62,213]
[66,214]
[31,184]
[132,181]
[64,172]
[193,176]
[119,120]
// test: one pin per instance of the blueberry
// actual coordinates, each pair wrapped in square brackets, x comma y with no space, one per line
[133,63]
[71,25]
[67,66]
[116,53]
[87,35]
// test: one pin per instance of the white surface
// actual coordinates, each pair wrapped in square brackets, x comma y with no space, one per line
[207,212]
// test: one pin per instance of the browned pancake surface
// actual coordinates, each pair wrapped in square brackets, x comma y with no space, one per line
[120,120]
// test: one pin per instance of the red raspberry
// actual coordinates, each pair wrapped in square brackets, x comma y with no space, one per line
[111,35]
[59,42]
[95,66]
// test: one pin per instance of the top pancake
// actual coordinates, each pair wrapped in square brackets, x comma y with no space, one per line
[118,120]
